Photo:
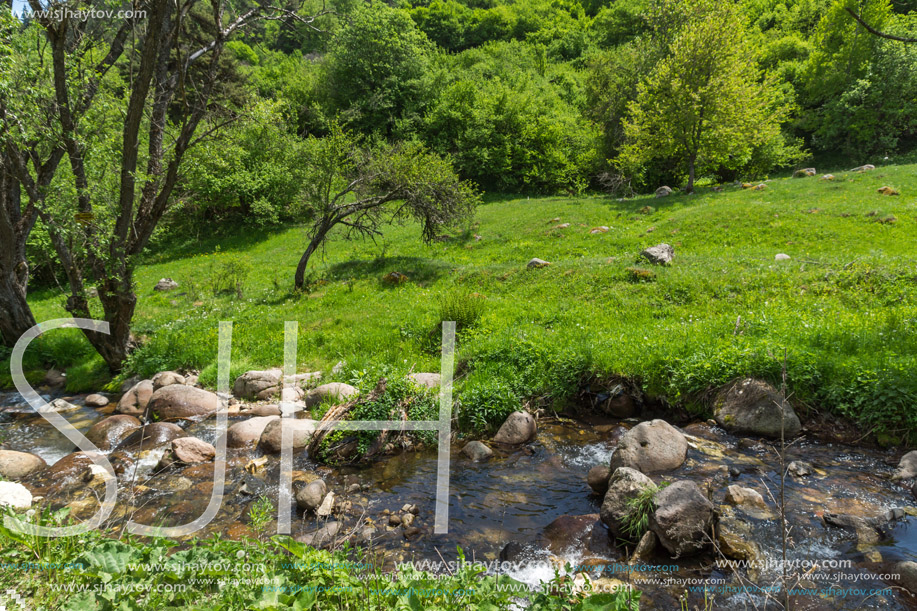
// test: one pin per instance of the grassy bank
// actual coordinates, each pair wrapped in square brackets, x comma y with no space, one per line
[843,307]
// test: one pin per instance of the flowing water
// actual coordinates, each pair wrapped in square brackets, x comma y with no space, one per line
[513,497]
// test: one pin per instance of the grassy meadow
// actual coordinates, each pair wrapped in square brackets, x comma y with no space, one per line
[843,307]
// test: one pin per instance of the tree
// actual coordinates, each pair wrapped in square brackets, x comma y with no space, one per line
[168,80]
[705,103]
[377,72]
[363,188]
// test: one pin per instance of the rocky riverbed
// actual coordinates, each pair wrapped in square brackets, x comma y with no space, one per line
[522,501]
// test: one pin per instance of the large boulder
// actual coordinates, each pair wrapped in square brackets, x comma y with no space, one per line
[108,432]
[95,400]
[165,284]
[907,467]
[537,263]
[907,575]
[650,447]
[167,378]
[191,450]
[310,496]
[178,401]
[754,406]
[335,391]
[248,432]
[663,191]
[625,484]
[682,518]
[519,427]
[477,451]
[661,254]
[16,465]
[430,380]
[150,436]
[301,431]
[135,400]
[258,385]
[15,495]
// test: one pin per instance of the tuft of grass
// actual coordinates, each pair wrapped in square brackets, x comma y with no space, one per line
[639,510]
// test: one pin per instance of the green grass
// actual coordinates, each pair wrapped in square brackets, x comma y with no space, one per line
[843,307]
[99,572]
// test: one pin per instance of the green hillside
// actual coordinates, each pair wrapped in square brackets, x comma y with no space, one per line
[843,307]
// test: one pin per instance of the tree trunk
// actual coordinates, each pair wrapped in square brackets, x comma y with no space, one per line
[690,187]
[118,303]
[304,261]
[15,315]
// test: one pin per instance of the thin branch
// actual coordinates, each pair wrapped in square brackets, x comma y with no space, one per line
[876,32]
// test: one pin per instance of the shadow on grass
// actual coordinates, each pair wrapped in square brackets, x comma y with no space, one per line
[174,245]
[417,269]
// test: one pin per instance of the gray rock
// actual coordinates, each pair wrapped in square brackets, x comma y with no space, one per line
[108,432]
[254,385]
[907,467]
[782,257]
[804,172]
[335,391]
[682,518]
[737,495]
[310,496]
[535,263]
[519,427]
[15,495]
[753,406]
[799,468]
[135,400]
[95,400]
[907,575]
[179,401]
[248,432]
[663,191]
[625,484]
[323,537]
[430,380]
[60,405]
[864,168]
[650,447]
[54,379]
[301,431]
[167,378]
[661,254]
[16,465]
[165,284]
[477,451]
[598,477]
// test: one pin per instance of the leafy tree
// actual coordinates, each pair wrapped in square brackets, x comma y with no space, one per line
[250,172]
[511,125]
[362,188]
[704,104]
[377,72]
[172,79]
